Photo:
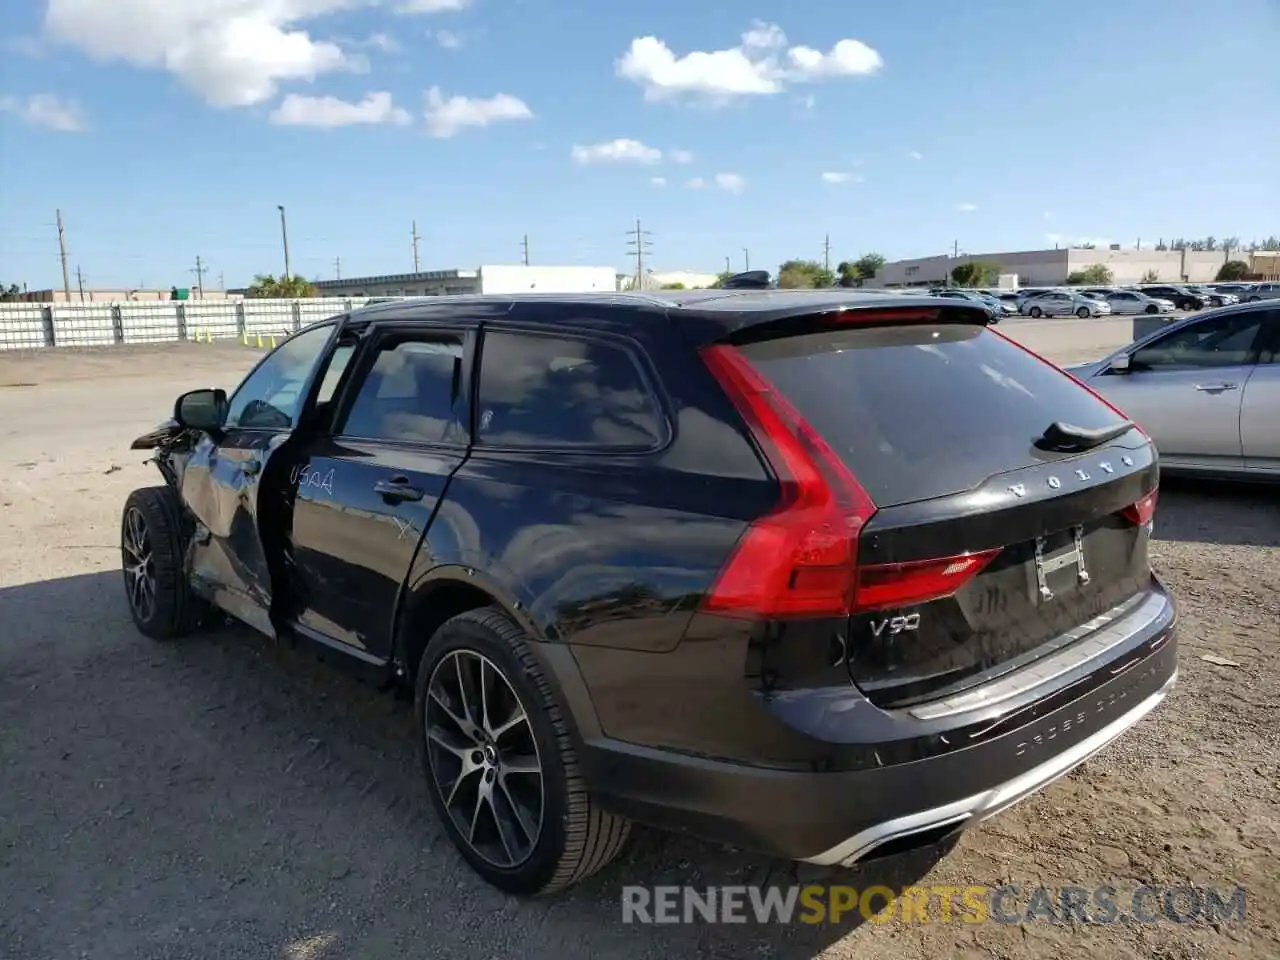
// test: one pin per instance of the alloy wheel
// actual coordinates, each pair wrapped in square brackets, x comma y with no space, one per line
[139,565]
[484,758]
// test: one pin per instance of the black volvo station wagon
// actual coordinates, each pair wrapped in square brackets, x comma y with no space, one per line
[822,574]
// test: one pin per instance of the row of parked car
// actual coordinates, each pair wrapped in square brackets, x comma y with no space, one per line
[1152,298]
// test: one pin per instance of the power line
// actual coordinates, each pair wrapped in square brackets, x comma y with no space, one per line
[417,267]
[199,270]
[62,252]
[525,246]
[639,242]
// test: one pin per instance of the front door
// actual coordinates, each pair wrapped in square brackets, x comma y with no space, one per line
[369,487]
[1185,390]
[230,486]
[1260,408]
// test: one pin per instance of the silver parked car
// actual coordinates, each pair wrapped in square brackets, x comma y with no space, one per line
[1206,389]
[1062,303]
[1262,291]
[1131,301]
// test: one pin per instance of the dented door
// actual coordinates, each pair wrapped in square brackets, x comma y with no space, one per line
[236,484]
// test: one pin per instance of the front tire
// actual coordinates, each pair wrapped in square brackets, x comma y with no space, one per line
[1083,313]
[500,761]
[1036,313]
[1152,308]
[153,546]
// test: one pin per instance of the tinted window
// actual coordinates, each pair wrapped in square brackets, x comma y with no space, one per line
[1222,341]
[924,411]
[269,397]
[538,391]
[411,393]
[1269,345]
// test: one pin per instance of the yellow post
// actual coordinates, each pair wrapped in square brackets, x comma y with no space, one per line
[244,338]
[259,341]
[273,341]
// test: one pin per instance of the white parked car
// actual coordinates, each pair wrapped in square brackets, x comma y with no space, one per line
[1131,301]
[1061,303]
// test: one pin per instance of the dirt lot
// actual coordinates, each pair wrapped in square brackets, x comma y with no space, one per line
[219,798]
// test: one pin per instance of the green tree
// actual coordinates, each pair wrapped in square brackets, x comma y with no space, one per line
[974,273]
[854,273]
[797,274]
[11,292]
[721,277]
[282,288]
[674,286]
[1232,270]
[1094,275]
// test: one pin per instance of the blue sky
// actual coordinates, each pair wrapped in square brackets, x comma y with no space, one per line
[167,129]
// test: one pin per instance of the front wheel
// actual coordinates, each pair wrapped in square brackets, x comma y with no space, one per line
[1036,313]
[1083,313]
[500,762]
[1152,308]
[153,546]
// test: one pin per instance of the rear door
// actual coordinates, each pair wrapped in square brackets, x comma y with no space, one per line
[1185,389]
[943,426]
[230,482]
[1260,408]
[368,487]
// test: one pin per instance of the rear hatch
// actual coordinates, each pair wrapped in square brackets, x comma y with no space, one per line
[949,428]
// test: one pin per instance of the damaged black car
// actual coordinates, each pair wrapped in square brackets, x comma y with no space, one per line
[821,574]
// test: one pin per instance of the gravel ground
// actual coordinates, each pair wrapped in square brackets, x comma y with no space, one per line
[221,798]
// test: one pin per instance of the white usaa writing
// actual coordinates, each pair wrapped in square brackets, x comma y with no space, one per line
[307,477]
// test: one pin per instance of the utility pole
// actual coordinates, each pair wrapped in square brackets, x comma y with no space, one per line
[199,270]
[728,266]
[80,282]
[337,268]
[417,267]
[746,259]
[62,252]
[639,242]
[284,238]
[525,246]
[222,283]
[826,253]
[955,249]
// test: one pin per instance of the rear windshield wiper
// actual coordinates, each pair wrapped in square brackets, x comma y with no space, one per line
[1067,437]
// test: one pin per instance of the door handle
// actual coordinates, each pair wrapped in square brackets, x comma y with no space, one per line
[397,490]
[1216,387]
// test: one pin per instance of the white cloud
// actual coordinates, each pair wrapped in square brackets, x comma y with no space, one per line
[680,156]
[448,39]
[328,112]
[446,116]
[761,65]
[916,155]
[731,182]
[658,181]
[697,183]
[431,6]
[234,53]
[966,207]
[616,151]
[383,42]
[46,110]
[840,176]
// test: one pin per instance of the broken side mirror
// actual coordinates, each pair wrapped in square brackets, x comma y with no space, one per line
[201,410]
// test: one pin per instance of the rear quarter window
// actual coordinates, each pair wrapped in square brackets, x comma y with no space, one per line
[925,411]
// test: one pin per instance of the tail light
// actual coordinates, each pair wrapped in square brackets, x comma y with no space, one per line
[800,559]
[1144,511]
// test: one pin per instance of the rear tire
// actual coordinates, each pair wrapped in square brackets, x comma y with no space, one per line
[153,547]
[1036,313]
[487,717]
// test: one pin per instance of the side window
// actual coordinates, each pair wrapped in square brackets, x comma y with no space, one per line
[1222,341]
[411,392]
[539,391]
[1270,341]
[338,361]
[268,399]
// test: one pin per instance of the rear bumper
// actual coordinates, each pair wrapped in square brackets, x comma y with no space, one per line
[841,816]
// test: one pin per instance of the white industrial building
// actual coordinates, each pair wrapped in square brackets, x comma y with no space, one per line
[489,278]
[1052,267]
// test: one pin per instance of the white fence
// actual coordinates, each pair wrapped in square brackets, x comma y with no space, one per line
[33,326]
